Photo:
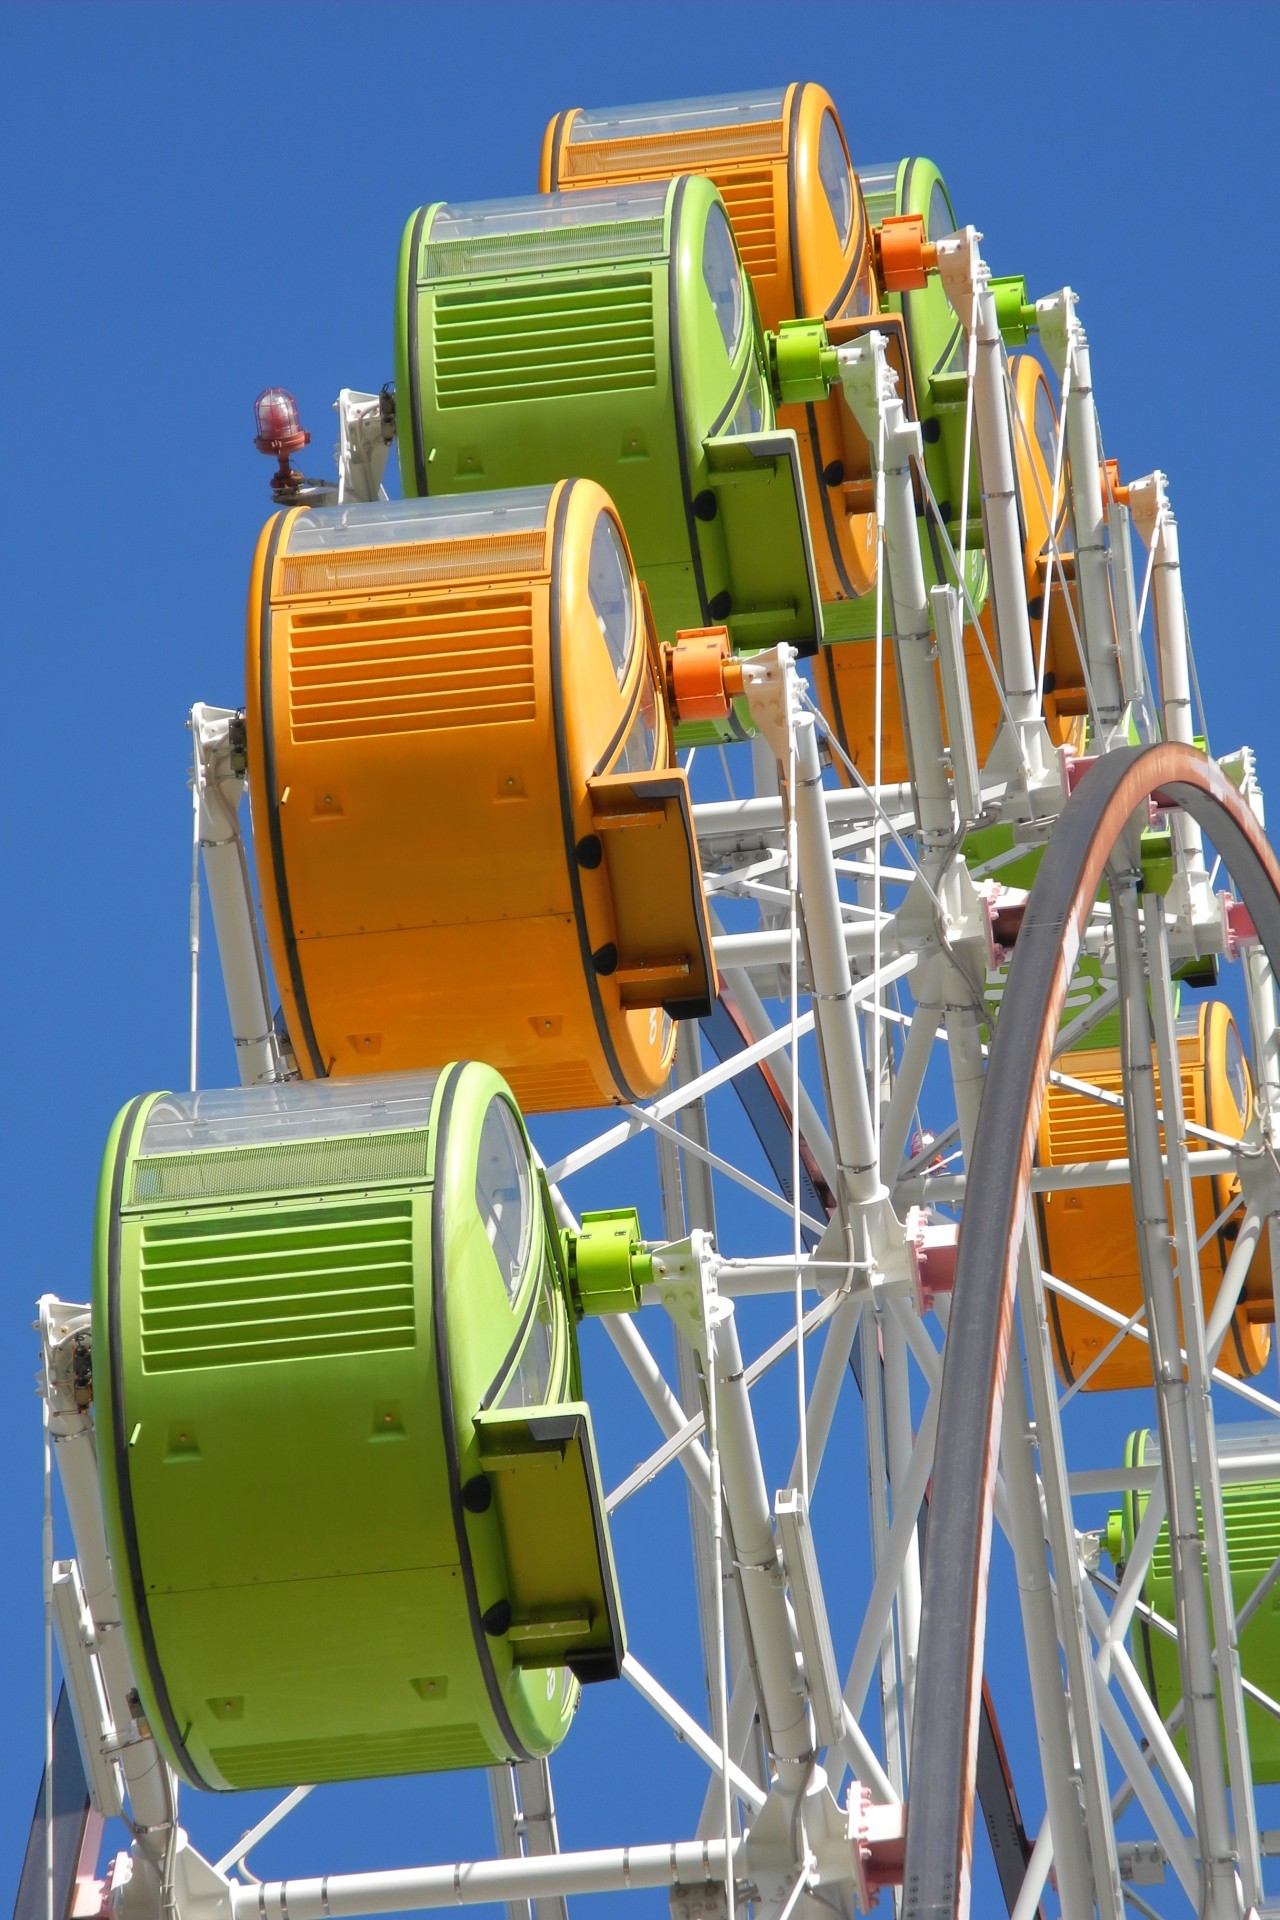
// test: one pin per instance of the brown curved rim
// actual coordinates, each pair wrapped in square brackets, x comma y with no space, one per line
[939,1843]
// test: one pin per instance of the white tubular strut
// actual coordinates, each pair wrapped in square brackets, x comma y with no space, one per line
[870,390]
[1221,1895]
[219,771]
[1158,529]
[65,1329]
[769,685]
[1066,345]
[963,272]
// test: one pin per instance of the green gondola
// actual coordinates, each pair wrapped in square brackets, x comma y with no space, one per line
[613,334]
[349,1484]
[1251,1514]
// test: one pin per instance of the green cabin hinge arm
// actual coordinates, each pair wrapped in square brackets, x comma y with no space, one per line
[605,1262]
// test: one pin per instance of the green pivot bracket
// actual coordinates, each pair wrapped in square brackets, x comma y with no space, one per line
[803,366]
[1016,316]
[606,1263]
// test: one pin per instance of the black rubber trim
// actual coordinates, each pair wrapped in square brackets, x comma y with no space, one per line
[623,727]
[566,805]
[562,121]
[797,294]
[275,835]
[677,397]
[793,250]
[975,1359]
[120,1449]
[1224,1245]
[440,1335]
[415,390]
[526,1321]
[824,496]
[731,404]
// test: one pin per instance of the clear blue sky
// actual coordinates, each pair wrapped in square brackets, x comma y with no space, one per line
[200,201]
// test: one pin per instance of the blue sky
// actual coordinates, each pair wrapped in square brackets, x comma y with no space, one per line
[200,201]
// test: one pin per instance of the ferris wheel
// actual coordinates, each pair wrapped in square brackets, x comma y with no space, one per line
[735,768]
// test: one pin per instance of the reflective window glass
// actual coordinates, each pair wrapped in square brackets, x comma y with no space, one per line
[748,415]
[723,277]
[833,171]
[941,219]
[642,736]
[530,1383]
[1237,1072]
[609,589]
[503,1191]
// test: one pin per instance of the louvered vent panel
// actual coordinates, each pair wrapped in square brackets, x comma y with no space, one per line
[543,342]
[1252,1515]
[265,1284]
[666,153]
[416,563]
[554,1089]
[749,199]
[411,666]
[1084,1129]
[225,1173]
[358,1757]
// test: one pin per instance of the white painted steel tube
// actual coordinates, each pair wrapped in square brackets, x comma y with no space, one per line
[481,1882]
[1191,1606]
[747,822]
[944,1189]
[144,1771]
[771,947]
[1093,581]
[881,415]
[853,1128]
[772,1634]
[1211,1521]
[1003,532]
[226,869]
[658,1397]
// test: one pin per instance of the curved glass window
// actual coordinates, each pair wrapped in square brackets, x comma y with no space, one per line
[723,277]
[540,232]
[1237,1073]
[641,742]
[675,116]
[941,220]
[748,415]
[609,590]
[1046,429]
[529,1384]
[833,171]
[503,1191]
[382,523]
[879,182]
[291,1110]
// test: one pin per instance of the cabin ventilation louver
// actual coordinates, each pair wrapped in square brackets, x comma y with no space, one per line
[274,1283]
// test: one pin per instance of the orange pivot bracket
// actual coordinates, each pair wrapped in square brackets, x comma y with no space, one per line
[904,256]
[1112,487]
[703,679]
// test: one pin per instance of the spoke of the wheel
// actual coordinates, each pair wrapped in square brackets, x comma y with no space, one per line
[1137,966]
[1200,1409]
[878,1484]
[1066,1560]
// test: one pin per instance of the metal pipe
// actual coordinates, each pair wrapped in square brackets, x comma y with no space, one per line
[966,280]
[478,1882]
[769,1624]
[947,1189]
[1209,1525]
[218,793]
[745,823]
[1065,341]
[879,411]
[658,1397]
[1220,1890]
